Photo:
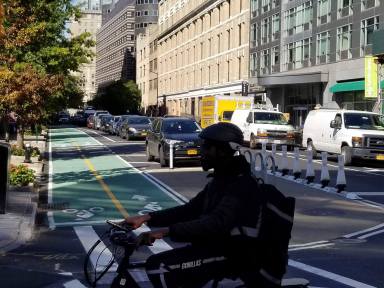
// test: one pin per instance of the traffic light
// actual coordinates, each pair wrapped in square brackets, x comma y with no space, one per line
[244,88]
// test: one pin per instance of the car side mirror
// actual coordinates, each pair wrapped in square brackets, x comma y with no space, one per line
[334,125]
[249,120]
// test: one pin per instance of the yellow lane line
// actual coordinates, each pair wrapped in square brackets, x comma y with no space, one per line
[105,187]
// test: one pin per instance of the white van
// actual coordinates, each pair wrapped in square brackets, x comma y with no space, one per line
[347,132]
[264,126]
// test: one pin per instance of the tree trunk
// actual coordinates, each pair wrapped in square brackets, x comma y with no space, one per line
[20,136]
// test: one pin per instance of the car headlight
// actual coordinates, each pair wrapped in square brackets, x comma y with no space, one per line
[262,133]
[131,129]
[357,141]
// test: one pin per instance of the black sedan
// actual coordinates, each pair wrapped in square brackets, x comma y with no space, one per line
[181,133]
[135,126]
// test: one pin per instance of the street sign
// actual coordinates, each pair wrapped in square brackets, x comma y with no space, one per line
[244,88]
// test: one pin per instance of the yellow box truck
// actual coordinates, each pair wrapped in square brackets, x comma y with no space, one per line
[220,108]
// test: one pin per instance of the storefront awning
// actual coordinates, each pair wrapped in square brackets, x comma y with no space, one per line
[350,86]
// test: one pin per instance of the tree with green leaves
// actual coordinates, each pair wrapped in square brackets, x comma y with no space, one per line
[119,98]
[37,58]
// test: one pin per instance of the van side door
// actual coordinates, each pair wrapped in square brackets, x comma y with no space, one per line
[336,134]
[248,126]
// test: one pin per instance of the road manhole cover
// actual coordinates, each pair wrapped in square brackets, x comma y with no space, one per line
[349,241]
[323,212]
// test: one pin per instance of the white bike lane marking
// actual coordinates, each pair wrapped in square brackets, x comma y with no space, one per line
[329,275]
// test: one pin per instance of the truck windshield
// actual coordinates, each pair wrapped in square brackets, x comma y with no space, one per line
[270,118]
[180,126]
[364,121]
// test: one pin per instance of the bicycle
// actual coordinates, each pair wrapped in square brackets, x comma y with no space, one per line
[123,238]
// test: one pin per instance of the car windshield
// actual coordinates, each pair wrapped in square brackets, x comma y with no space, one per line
[181,126]
[270,118]
[364,121]
[139,120]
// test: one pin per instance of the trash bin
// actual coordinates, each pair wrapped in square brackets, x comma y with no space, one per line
[5,159]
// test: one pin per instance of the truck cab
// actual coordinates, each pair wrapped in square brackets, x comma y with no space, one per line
[354,134]
[263,125]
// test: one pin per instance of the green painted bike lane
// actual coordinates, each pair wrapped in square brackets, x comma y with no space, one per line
[92,184]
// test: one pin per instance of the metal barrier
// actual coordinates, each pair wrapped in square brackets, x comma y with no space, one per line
[5,160]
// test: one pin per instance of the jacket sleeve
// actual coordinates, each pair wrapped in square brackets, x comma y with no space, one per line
[181,213]
[217,223]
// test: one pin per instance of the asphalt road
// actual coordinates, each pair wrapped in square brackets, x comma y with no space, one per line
[336,242]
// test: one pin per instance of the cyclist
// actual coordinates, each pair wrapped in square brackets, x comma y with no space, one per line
[220,223]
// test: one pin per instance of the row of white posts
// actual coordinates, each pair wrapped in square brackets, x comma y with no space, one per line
[310,172]
[296,168]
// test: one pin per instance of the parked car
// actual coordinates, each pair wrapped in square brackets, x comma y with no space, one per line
[113,124]
[354,134]
[105,122]
[264,126]
[135,126]
[119,123]
[183,132]
[91,122]
[97,119]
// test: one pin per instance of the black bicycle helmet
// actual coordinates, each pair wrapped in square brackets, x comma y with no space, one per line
[223,132]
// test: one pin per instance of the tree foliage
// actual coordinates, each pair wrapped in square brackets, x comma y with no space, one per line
[119,98]
[37,57]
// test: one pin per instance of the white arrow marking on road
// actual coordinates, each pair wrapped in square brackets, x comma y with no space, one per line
[139,197]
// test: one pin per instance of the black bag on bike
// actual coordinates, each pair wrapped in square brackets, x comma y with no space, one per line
[275,232]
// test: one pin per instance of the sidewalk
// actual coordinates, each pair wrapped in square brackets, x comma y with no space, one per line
[17,224]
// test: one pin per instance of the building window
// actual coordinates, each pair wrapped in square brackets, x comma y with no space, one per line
[323,11]
[265,30]
[253,35]
[367,4]
[344,8]
[275,59]
[253,65]
[344,42]
[297,54]
[264,62]
[323,47]
[367,28]
[299,18]
[265,5]
[255,8]
[275,26]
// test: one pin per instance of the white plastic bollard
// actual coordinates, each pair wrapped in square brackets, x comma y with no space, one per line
[324,178]
[171,155]
[273,150]
[341,182]
[310,175]
[264,151]
[296,164]
[284,161]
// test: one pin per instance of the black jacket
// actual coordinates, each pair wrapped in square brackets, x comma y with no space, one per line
[230,201]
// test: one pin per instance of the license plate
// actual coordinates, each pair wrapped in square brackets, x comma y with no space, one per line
[143,134]
[380,157]
[192,152]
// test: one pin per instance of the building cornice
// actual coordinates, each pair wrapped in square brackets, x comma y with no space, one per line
[190,15]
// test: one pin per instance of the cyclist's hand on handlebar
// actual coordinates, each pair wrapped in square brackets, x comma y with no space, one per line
[147,238]
[136,221]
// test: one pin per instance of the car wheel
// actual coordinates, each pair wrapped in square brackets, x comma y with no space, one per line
[253,142]
[346,151]
[149,156]
[163,162]
[312,148]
